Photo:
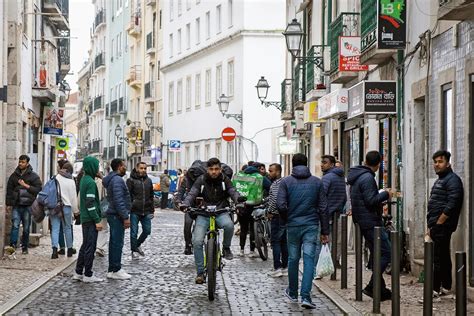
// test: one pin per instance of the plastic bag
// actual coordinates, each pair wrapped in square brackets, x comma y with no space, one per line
[325,266]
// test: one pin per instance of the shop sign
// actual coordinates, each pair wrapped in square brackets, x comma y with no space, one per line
[311,110]
[349,54]
[289,129]
[62,143]
[372,97]
[287,146]
[391,24]
[174,145]
[332,104]
[53,123]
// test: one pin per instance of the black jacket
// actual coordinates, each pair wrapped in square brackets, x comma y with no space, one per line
[141,193]
[446,197]
[214,191]
[366,200]
[18,195]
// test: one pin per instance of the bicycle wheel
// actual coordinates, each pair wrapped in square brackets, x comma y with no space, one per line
[260,239]
[211,268]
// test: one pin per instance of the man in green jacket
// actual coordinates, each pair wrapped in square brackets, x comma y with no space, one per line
[90,220]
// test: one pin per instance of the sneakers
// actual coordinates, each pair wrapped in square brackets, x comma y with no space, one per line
[291,298]
[284,272]
[276,273]
[307,303]
[70,252]
[227,254]
[24,251]
[62,252]
[92,279]
[55,253]
[77,277]
[140,251]
[200,279]
[317,277]
[444,292]
[135,255]
[436,298]
[252,254]
[385,296]
[188,251]
[241,253]
[119,275]
[100,253]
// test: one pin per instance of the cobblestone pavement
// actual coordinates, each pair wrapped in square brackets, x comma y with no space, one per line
[163,283]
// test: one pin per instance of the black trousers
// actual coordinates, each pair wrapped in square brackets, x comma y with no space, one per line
[246,224]
[164,200]
[86,254]
[188,226]
[443,268]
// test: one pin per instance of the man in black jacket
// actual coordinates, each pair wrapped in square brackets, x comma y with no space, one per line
[444,208]
[22,188]
[141,194]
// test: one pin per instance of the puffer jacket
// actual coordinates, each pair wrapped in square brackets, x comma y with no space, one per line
[18,195]
[335,188]
[366,200]
[214,191]
[446,197]
[141,193]
[117,196]
[301,200]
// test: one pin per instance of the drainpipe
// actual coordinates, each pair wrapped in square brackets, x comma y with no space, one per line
[400,105]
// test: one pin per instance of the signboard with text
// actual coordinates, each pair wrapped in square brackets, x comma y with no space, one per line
[332,104]
[372,97]
[391,24]
[311,110]
[53,123]
[349,54]
[287,146]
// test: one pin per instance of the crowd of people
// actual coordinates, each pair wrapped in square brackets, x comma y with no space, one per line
[301,208]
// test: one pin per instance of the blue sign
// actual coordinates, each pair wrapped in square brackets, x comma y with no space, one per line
[174,145]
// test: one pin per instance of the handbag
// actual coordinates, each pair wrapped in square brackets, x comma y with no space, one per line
[59,208]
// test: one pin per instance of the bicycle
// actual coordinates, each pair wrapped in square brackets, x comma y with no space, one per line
[261,228]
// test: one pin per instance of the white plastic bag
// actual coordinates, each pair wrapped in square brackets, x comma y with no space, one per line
[325,266]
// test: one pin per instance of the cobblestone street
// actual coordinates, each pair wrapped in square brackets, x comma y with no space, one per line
[163,283]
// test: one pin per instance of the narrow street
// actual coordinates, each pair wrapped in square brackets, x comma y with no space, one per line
[163,283]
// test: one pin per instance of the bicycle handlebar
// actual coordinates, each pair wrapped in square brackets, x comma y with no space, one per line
[205,212]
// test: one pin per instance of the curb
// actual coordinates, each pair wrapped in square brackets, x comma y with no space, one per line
[340,302]
[12,302]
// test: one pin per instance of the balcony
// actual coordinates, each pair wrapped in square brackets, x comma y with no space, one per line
[95,146]
[99,62]
[122,106]
[150,92]
[135,77]
[298,87]
[286,108]
[346,24]
[99,20]
[150,43]
[134,27]
[98,103]
[316,81]
[151,2]
[59,13]
[458,10]
[107,111]
[64,56]
[113,109]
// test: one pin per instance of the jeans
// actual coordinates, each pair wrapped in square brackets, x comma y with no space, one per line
[86,254]
[188,226]
[164,200]
[117,234]
[301,239]
[103,238]
[56,225]
[442,265]
[199,233]
[385,251]
[145,220]
[246,225]
[279,244]
[21,214]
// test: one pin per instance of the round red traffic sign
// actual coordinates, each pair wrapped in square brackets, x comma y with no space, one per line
[228,134]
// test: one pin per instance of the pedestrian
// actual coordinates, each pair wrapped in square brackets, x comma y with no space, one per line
[367,209]
[183,191]
[278,226]
[165,182]
[62,241]
[444,208]
[67,189]
[90,220]
[118,217]
[142,196]
[22,188]
[103,237]
[302,203]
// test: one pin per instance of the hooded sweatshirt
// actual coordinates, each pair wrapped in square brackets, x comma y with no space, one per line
[68,190]
[89,195]
[335,188]
[118,195]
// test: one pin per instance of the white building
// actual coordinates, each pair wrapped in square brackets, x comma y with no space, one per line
[221,47]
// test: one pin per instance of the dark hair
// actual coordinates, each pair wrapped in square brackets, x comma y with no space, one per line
[24,157]
[277,166]
[165,171]
[299,160]
[442,153]
[68,166]
[373,158]
[141,163]
[213,161]
[244,167]
[61,163]
[331,158]
[250,163]
[116,163]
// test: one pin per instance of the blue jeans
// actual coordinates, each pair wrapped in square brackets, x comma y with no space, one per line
[85,259]
[279,244]
[199,233]
[145,220]
[21,214]
[117,234]
[62,243]
[301,239]
[56,223]
[385,251]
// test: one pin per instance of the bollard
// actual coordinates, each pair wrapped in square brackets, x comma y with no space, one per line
[428,286]
[377,271]
[344,251]
[358,251]
[461,299]
[334,244]
[395,264]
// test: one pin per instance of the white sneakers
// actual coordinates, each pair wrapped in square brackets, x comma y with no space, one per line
[252,254]
[242,253]
[119,275]
[135,255]
[276,273]
[284,272]
[92,279]
[77,277]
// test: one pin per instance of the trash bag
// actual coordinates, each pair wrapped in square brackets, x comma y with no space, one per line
[325,265]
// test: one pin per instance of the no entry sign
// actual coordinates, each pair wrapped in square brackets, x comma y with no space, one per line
[228,134]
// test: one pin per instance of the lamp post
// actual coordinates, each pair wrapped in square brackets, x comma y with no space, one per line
[262,92]
[294,37]
[120,139]
[149,123]
[223,103]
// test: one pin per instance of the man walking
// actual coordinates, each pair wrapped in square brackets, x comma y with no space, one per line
[141,194]
[302,202]
[444,208]
[22,188]
[117,217]
[367,211]
[165,182]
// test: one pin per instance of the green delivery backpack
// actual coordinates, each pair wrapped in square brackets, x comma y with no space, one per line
[250,186]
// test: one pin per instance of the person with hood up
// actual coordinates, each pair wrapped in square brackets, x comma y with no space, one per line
[302,204]
[117,216]
[367,209]
[90,221]
[141,194]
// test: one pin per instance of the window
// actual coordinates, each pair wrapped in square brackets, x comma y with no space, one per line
[161,17]
[171,98]
[171,10]
[198,31]
[230,13]
[230,153]
[171,45]
[230,78]
[197,150]
[207,151]
[126,43]
[218,81]
[208,87]
[112,50]
[188,36]
[208,25]
[188,93]
[197,92]
[198,1]
[179,99]
[159,70]
[179,41]
[218,150]
[448,115]
[188,5]
[180,7]
[218,19]
[187,156]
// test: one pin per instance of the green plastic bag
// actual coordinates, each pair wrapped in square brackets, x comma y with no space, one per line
[250,186]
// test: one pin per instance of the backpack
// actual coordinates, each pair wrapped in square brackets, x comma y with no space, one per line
[48,197]
[250,186]
[198,168]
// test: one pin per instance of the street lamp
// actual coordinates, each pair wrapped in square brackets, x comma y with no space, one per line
[149,123]
[294,37]
[262,92]
[118,132]
[223,103]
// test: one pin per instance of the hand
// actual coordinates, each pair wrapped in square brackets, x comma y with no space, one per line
[183,208]
[98,226]
[324,239]
[126,223]
[241,199]
[349,212]
[151,215]
[269,216]
[23,184]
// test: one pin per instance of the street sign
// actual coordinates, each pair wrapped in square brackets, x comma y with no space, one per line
[62,143]
[228,134]
[174,145]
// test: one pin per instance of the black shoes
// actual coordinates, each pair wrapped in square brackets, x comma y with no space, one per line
[200,279]
[62,252]
[24,251]
[70,252]
[55,253]
[227,254]
[386,293]
[188,251]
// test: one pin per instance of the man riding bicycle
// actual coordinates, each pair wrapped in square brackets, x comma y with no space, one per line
[215,189]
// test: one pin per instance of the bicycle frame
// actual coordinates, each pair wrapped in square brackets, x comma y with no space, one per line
[212,233]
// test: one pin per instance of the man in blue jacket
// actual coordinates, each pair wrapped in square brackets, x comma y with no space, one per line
[302,202]
[367,211]
[118,218]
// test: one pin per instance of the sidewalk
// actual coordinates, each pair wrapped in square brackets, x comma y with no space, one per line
[410,292]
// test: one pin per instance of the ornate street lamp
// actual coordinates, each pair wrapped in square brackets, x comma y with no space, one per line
[262,92]
[294,37]
[149,123]
[118,130]
[223,104]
